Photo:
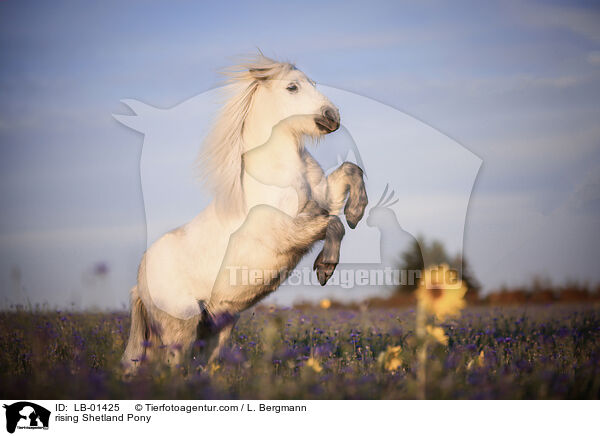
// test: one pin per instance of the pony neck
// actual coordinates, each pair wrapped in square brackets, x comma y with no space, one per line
[276,161]
[280,138]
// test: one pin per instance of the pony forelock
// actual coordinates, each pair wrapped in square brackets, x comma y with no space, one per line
[220,160]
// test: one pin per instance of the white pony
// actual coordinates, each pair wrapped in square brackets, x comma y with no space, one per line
[272,202]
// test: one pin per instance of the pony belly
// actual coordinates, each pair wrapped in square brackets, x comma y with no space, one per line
[166,285]
[180,268]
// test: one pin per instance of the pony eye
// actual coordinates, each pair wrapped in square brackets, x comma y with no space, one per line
[292,87]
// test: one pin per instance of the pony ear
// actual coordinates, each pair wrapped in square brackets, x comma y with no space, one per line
[259,73]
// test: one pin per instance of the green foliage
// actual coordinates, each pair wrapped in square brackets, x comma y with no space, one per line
[422,254]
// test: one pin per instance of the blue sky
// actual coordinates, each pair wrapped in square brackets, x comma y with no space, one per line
[515,83]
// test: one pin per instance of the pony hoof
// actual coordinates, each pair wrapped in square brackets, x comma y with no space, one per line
[355,212]
[324,273]
[324,270]
[353,219]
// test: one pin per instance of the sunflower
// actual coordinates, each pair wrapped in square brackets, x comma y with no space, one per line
[441,292]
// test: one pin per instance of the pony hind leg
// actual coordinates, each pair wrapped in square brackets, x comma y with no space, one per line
[213,331]
[180,342]
[224,336]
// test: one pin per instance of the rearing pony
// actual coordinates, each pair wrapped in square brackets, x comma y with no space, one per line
[272,202]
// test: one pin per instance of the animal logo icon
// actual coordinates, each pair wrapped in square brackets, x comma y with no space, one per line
[393,239]
[26,415]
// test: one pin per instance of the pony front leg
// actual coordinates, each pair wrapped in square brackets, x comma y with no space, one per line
[345,181]
[329,257]
[266,246]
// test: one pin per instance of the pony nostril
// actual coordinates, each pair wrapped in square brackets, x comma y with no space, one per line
[329,120]
[331,115]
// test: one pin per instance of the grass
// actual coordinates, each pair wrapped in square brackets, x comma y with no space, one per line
[531,352]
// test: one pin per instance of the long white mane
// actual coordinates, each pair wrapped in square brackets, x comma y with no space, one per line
[221,159]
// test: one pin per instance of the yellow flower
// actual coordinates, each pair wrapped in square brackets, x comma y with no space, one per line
[213,367]
[481,359]
[438,334]
[440,292]
[390,359]
[325,303]
[314,365]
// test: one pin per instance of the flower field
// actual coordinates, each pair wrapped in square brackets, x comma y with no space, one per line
[278,353]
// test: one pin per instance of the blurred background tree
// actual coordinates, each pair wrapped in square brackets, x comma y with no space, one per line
[435,254]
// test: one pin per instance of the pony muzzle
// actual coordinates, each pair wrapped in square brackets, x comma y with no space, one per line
[329,120]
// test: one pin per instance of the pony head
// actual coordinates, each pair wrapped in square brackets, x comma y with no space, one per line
[286,93]
[281,93]
[264,94]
